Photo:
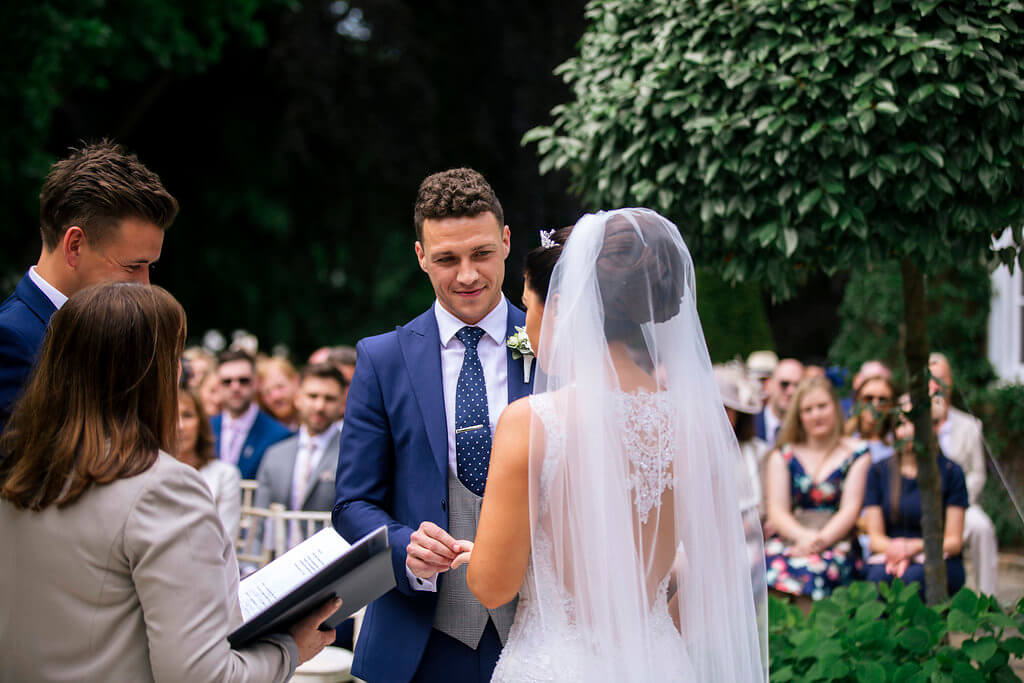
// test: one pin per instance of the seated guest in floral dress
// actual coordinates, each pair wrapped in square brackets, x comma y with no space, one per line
[892,515]
[872,416]
[814,489]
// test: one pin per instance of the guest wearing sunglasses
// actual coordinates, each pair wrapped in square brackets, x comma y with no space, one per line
[872,418]
[779,389]
[242,431]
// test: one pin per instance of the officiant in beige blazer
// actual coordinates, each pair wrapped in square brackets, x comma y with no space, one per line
[115,565]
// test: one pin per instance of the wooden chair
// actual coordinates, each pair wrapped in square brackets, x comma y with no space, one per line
[308,523]
[249,487]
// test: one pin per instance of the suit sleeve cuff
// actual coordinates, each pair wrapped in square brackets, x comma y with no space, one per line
[418,584]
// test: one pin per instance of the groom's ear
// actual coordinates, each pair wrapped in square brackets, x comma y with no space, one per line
[421,256]
[506,239]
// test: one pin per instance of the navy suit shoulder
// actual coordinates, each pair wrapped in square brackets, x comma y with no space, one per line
[24,316]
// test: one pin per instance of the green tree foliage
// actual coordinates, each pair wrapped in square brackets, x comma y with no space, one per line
[871,316]
[785,137]
[733,317]
[53,50]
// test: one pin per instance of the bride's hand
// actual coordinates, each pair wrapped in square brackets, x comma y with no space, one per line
[465,552]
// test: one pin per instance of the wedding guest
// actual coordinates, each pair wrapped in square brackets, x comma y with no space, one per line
[741,396]
[195,449]
[873,416]
[209,391]
[892,515]
[299,471]
[344,357]
[242,432]
[109,537]
[960,440]
[814,489]
[871,368]
[278,384]
[779,392]
[200,363]
[761,365]
[102,217]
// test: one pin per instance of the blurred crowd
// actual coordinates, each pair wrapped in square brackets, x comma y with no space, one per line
[834,478]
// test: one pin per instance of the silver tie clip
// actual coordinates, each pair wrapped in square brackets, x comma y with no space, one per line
[463,430]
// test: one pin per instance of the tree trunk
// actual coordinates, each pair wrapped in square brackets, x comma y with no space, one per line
[915,351]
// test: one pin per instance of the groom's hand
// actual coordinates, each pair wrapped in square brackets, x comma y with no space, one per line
[431,550]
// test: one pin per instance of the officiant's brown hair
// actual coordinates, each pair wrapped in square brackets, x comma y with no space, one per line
[456,193]
[102,400]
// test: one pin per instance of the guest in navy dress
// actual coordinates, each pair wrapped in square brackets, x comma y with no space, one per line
[892,515]
[814,489]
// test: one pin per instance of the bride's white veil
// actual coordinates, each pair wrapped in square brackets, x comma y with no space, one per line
[639,546]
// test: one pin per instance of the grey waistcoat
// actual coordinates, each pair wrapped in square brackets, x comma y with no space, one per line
[459,614]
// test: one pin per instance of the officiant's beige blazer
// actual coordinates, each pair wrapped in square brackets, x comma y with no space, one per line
[135,581]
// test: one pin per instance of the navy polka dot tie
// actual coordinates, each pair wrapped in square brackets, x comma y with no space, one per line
[472,425]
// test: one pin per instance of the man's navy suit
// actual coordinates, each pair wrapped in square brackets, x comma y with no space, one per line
[393,470]
[23,320]
[265,432]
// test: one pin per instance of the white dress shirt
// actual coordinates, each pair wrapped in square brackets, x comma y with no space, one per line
[307,459]
[55,296]
[234,431]
[494,360]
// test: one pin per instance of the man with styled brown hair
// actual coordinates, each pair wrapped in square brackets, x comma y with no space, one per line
[415,446]
[102,217]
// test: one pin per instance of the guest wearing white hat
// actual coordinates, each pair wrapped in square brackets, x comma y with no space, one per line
[742,397]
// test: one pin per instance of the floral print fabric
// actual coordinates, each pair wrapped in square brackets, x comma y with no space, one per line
[817,574]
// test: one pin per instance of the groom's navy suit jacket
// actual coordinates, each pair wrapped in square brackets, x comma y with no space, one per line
[393,470]
[23,320]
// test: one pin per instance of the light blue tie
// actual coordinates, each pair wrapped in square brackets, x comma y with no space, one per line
[472,424]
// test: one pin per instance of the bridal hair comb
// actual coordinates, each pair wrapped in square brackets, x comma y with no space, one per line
[545,239]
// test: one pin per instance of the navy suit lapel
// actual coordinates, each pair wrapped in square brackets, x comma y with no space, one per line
[420,342]
[34,298]
[518,386]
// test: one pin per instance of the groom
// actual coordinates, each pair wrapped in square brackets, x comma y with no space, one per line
[416,443]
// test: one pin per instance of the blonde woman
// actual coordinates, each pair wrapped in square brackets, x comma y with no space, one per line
[814,485]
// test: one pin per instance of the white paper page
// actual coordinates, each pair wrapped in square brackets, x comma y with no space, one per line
[261,589]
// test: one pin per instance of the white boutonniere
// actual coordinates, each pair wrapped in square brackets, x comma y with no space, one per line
[520,345]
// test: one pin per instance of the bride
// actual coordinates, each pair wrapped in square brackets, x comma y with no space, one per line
[611,505]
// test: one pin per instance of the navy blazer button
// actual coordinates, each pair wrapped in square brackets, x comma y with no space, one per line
[444,503]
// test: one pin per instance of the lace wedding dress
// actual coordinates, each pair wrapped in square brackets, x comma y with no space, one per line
[551,646]
[639,565]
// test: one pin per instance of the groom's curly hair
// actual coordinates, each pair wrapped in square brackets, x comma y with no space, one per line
[455,193]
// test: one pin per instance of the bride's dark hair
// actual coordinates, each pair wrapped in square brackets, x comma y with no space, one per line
[540,262]
[640,273]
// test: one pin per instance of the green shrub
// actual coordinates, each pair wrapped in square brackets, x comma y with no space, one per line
[855,636]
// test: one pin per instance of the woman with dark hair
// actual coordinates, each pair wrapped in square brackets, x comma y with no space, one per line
[195,448]
[814,486]
[106,537]
[892,514]
[611,506]
[873,418]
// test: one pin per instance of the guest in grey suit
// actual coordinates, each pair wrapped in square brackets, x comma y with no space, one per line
[299,472]
[115,566]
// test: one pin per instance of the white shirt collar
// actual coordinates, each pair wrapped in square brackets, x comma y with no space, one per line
[493,324]
[52,293]
[243,422]
[320,441]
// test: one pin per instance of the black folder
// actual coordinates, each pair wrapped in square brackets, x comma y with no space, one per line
[360,575]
